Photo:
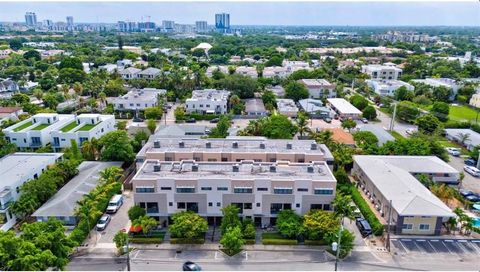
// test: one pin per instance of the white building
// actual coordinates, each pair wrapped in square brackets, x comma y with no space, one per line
[212,69]
[149,73]
[293,66]
[35,131]
[475,100]
[287,107]
[83,128]
[343,108]
[319,88]
[208,101]
[448,83]
[377,71]
[124,62]
[110,68]
[275,71]
[15,170]
[130,73]
[8,85]
[247,71]
[9,114]
[137,99]
[388,86]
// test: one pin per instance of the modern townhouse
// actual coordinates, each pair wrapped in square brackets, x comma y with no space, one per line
[149,73]
[15,170]
[387,87]
[35,132]
[343,108]
[234,149]
[319,88]
[390,185]
[275,71]
[377,71]
[130,73]
[247,71]
[137,99]
[82,128]
[261,190]
[208,101]
[448,83]
[287,107]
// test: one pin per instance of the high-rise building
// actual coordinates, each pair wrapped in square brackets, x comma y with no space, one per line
[168,25]
[30,19]
[70,20]
[201,26]
[222,21]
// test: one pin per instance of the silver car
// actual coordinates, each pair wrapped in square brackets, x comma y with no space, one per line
[103,222]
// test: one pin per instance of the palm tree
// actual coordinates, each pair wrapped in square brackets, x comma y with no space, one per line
[38,94]
[342,207]
[90,149]
[445,193]
[103,98]
[463,137]
[302,124]
[111,174]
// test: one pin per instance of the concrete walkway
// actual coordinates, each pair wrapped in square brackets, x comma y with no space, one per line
[211,247]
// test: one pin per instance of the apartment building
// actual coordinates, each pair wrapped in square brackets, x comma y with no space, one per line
[391,179]
[448,83]
[260,190]
[235,149]
[149,73]
[387,87]
[319,88]
[35,131]
[287,107]
[475,100]
[343,108]
[275,71]
[14,173]
[137,99]
[130,73]
[377,71]
[208,101]
[82,128]
[247,71]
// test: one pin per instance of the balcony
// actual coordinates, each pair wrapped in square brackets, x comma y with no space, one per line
[4,206]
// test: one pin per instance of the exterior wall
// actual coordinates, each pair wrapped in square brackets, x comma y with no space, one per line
[415,221]
[475,100]
[202,106]
[382,73]
[321,92]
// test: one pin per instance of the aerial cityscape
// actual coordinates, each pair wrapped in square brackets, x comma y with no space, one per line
[240,136]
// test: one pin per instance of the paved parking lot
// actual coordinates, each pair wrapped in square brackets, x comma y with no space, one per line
[454,247]
[119,221]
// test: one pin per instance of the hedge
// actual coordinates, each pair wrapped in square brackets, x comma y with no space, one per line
[145,240]
[249,241]
[198,116]
[195,241]
[315,243]
[377,227]
[288,242]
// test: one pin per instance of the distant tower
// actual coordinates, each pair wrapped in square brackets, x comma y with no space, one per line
[201,26]
[30,19]
[70,23]
[222,22]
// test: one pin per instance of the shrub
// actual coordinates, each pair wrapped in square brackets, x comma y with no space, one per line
[249,241]
[195,241]
[377,227]
[279,242]
[315,243]
[146,240]
[136,212]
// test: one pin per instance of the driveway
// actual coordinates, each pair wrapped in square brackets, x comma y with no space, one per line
[399,127]
[469,182]
[119,221]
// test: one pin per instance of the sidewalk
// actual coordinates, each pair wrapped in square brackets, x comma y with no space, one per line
[214,247]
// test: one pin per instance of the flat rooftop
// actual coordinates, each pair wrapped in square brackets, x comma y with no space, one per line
[147,95]
[63,203]
[385,83]
[316,82]
[210,94]
[247,170]
[474,137]
[343,106]
[254,105]
[392,176]
[287,105]
[19,165]
[244,145]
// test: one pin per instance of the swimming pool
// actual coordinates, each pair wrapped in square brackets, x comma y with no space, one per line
[476,222]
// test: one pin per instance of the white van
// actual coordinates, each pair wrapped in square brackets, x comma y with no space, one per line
[115,203]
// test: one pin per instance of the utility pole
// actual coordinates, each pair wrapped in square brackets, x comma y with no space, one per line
[388,225]
[337,246]
[127,249]
[392,122]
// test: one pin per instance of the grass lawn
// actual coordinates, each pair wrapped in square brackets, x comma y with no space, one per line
[446,143]
[396,135]
[86,127]
[69,127]
[24,126]
[41,126]
[275,238]
[462,113]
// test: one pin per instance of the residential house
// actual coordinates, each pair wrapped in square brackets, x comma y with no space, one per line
[287,107]
[9,114]
[8,85]
[149,73]
[275,71]
[255,108]
[377,71]
[315,108]
[208,101]
[130,73]
[319,88]
[387,86]
[137,99]
[343,108]
[448,83]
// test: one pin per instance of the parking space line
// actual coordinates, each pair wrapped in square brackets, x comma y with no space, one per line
[443,242]
[434,249]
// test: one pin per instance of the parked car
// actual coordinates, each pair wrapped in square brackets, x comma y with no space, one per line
[103,222]
[470,162]
[364,120]
[363,227]
[410,131]
[465,192]
[115,203]
[473,198]
[453,151]
[215,120]
[191,120]
[472,170]
[191,266]
[327,119]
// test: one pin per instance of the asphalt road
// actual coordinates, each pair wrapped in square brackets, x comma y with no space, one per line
[469,182]
[399,127]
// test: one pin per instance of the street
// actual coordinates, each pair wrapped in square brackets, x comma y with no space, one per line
[399,127]
[469,182]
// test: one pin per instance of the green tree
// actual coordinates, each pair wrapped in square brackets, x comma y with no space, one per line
[342,206]
[72,63]
[121,125]
[187,225]
[407,111]
[241,85]
[153,113]
[359,101]
[425,180]
[151,125]
[32,54]
[348,124]
[179,114]
[347,239]
[139,140]
[249,230]
[116,147]
[90,149]
[279,127]
[15,44]
[269,100]
[230,217]
[441,110]
[146,222]
[289,224]
[369,112]
[136,212]
[302,124]
[365,138]
[221,130]
[429,124]
[403,93]
[120,240]
[317,223]
[232,240]
[296,91]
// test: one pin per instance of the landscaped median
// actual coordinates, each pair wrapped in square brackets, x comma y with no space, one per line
[185,241]
[154,237]
[275,238]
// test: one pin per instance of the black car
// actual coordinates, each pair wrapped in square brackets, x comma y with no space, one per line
[473,198]
[191,120]
[470,162]
[363,227]
[466,193]
[214,120]
[191,266]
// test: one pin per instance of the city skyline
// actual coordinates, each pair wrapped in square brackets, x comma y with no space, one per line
[255,13]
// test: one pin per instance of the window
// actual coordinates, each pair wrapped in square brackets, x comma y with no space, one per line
[262,189]
[302,190]
[212,160]
[282,191]
[152,207]
[424,227]
[242,190]
[222,188]
[247,206]
[181,205]
[170,204]
[144,190]
[407,226]
[326,207]
[224,159]
[258,204]
[206,188]
[323,191]
[166,188]
[185,190]
[218,204]
[210,204]
[297,205]
[316,207]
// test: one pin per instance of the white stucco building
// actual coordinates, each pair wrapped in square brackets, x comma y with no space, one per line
[319,88]
[208,101]
[137,99]
[377,71]
[388,86]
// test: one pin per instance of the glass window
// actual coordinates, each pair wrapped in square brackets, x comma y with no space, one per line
[282,191]
[323,191]
[302,190]
[222,188]
[145,190]
[185,190]
[262,189]
[247,206]
[218,204]
[206,188]
[407,226]
[210,204]
[242,190]
[424,227]
[181,205]
[316,207]
[165,188]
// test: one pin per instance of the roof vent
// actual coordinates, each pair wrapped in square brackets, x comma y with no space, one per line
[273,168]
[310,169]
[181,144]
[235,145]
[262,145]
[195,167]
[313,146]
[156,167]
[235,168]
[289,146]
[156,144]
[208,145]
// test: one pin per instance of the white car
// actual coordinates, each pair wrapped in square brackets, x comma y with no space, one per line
[103,222]
[474,171]
[453,151]
[410,131]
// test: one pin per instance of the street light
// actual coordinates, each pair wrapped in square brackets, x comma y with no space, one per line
[336,246]
[126,249]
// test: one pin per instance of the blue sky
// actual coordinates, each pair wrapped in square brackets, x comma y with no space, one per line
[256,13]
